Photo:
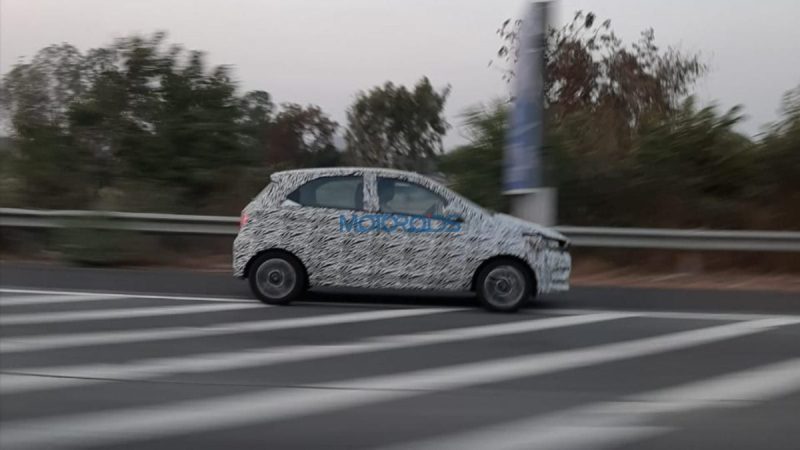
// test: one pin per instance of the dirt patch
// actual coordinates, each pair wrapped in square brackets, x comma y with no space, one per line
[721,280]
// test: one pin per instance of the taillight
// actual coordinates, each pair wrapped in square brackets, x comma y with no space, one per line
[243,220]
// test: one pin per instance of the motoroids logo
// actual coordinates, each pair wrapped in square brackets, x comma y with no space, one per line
[391,223]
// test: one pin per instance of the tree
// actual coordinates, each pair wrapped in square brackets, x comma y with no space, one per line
[301,137]
[257,114]
[697,150]
[475,169]
[164,117]
[778,164]
[136,111]
[589,70]
[391,126]
[36,97]
[625,144]
[39,92]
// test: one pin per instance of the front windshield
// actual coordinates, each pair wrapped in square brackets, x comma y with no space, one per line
[467,202]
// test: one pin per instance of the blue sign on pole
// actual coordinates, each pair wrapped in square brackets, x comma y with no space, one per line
[522,162]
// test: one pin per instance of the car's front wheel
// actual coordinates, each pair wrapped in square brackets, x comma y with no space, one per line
[503,285]
[276,278]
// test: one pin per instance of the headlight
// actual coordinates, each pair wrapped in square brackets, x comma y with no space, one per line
[555,244]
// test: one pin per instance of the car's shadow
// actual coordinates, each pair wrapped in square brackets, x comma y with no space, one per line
[369,297]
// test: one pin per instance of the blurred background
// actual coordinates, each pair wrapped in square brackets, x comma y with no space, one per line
[678,115]
[133,132]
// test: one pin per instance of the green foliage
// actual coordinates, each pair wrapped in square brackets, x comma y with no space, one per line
[301,137]
[9,183]
[697,151]
[777,165]
[391,126]
[94,242]
[626,146]
[475,169]
[161,116]
[688,169]
[141,124]
[589,70]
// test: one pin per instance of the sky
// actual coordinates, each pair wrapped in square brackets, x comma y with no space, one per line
[324,51]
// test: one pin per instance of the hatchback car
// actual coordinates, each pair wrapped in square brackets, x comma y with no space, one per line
[388,229]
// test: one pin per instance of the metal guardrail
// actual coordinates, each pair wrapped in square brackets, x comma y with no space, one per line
[642,238]
[111,220]
[672,239]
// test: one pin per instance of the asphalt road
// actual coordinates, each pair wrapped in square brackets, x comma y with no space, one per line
[169,359]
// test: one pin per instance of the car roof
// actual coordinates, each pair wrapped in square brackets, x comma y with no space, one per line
[344,171]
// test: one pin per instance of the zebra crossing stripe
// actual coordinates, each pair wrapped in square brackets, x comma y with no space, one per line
[67,376]
[49,299]
[27,293]
[106,314]
[179,418]
[611,424]
[59,341]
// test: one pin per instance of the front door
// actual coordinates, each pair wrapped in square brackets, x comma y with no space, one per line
[413,245]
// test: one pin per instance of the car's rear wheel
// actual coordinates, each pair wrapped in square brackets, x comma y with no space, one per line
[503,285]
[276,278]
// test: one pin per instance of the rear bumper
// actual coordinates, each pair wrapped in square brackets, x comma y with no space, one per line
[241,256]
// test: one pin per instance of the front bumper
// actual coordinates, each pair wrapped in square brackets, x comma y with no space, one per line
[555,273]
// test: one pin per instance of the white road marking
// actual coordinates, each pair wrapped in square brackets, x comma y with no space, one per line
[610,424]
[102,428]
[681,315]
[56,341]
[48,299]
[12,383]
[690,315]
[106,314]
[111,295]
[68,376]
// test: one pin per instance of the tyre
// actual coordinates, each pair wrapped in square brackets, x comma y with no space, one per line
[504,285]
[277,278]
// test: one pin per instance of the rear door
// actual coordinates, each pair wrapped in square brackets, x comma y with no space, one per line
[321,214]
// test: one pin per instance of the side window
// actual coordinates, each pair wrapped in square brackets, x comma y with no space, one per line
[402,197]
[331,192]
